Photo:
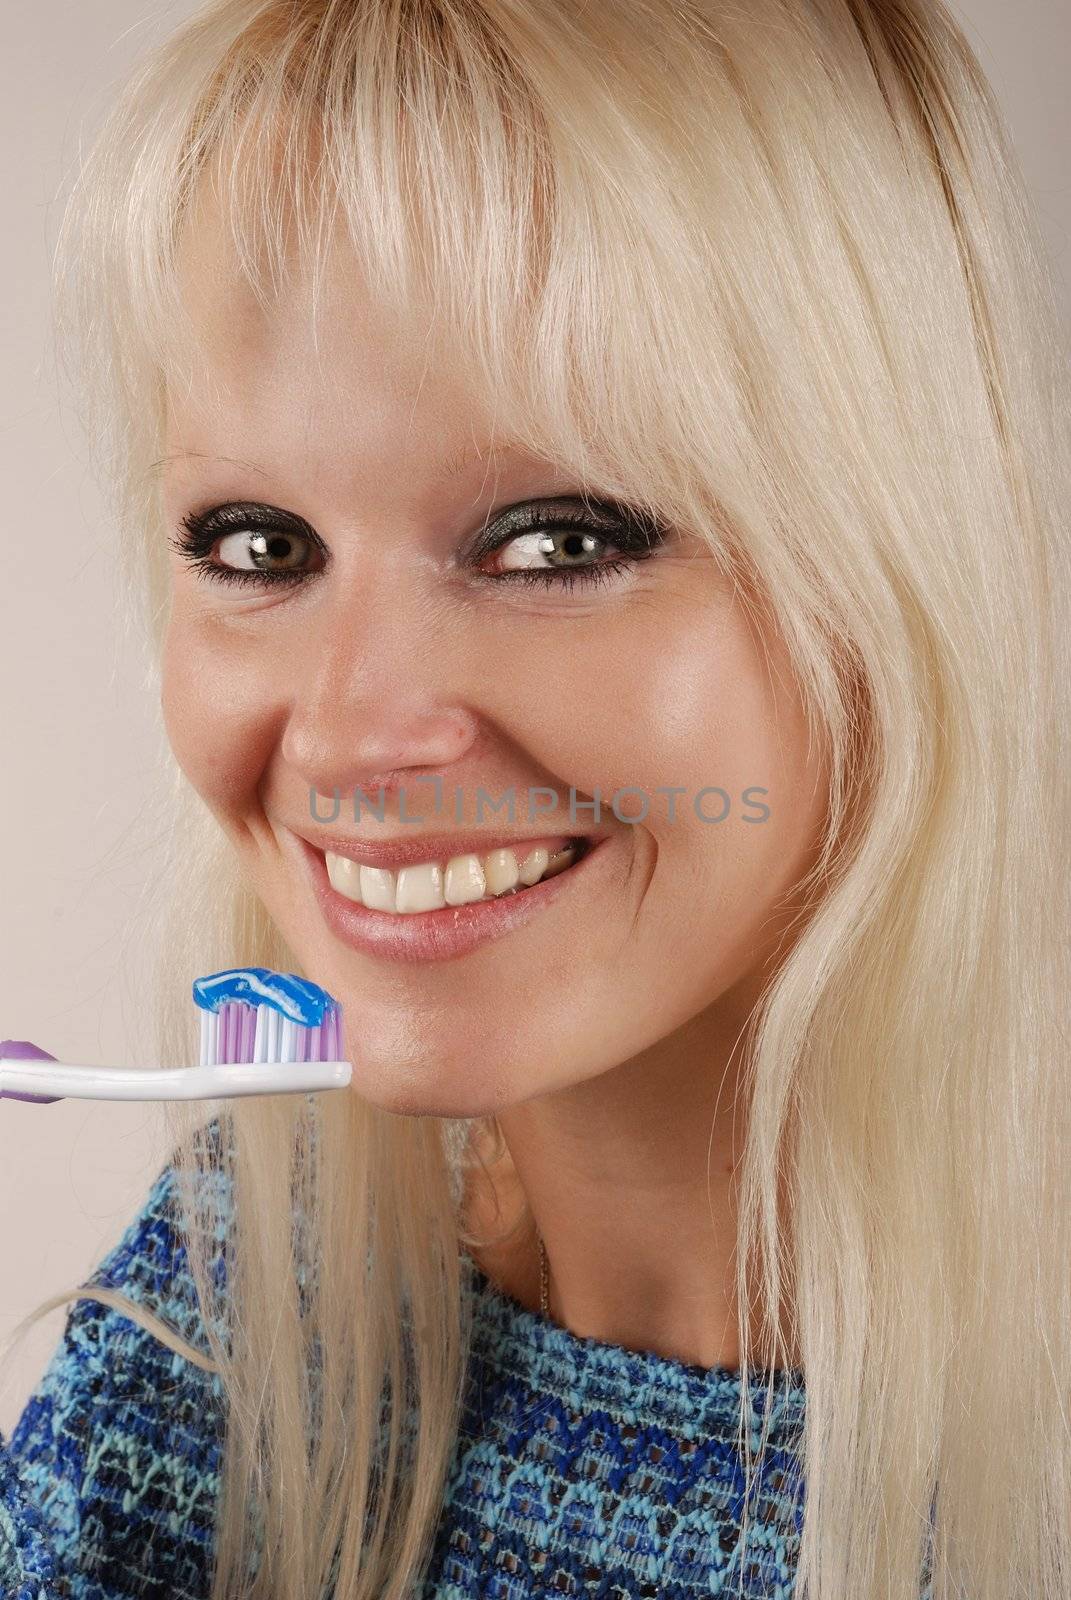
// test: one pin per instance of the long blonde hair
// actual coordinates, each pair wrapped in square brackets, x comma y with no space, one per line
[768,270]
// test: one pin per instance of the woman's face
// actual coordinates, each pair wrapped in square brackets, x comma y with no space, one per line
[398,651]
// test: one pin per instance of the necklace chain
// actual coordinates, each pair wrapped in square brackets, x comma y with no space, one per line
[544,1298]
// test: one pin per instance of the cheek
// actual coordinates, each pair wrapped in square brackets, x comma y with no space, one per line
[633,699]
[673,695]
[220,721]
[764,829]
[709,703]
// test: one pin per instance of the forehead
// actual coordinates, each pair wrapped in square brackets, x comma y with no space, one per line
[322,390]
[319,383]
[314,341]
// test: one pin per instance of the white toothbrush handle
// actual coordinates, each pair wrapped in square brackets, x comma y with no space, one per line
[62,1080]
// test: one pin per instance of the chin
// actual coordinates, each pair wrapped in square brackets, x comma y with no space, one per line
[401,1063]
[430,1099]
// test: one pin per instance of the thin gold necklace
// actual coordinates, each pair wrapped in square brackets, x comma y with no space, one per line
[544,1298]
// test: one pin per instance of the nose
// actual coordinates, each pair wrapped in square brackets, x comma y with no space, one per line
[345,753]
[371,703]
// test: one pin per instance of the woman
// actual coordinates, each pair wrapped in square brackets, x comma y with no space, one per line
[654,413]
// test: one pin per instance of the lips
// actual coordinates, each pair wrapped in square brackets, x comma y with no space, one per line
[450,931]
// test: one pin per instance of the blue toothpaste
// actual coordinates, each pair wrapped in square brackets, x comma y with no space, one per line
[295,997]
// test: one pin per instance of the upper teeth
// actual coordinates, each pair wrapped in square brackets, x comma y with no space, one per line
[429,885]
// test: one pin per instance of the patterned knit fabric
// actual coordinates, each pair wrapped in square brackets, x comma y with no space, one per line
[580,1469]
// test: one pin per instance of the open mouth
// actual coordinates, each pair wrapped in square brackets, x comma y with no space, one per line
[461,880]
[438,910]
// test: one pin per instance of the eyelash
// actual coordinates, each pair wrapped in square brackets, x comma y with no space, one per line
[635,535]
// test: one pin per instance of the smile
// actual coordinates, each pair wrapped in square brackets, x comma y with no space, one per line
[442,907]
[459,881]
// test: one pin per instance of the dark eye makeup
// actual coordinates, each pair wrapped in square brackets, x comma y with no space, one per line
[570,529]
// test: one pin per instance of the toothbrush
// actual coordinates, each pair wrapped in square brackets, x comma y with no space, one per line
[262,1032]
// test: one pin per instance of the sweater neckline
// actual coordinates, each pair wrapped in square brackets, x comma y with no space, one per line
[640,1387]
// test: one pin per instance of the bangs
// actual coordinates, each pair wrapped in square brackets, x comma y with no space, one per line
[410,138]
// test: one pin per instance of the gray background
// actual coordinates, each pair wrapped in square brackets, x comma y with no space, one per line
[81,740]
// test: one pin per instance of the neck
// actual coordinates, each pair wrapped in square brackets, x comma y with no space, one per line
[639,1221]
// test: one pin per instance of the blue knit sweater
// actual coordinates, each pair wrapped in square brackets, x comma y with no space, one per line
[581,1468]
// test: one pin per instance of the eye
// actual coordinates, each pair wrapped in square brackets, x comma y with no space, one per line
[556,544]
[565,547]
[253,544]
[263,552]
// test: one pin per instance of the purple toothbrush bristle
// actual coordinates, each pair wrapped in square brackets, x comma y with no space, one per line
[248,1030]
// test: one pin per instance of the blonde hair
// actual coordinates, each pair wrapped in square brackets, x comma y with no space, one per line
[770,272]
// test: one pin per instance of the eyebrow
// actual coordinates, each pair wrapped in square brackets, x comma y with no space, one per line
[450,467]
[157,468]
[456,466]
